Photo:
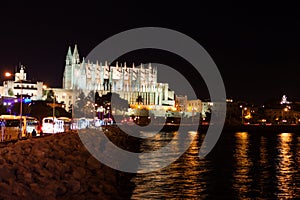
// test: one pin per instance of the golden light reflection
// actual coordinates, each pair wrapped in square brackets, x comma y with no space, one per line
[263,151]
[285,169]
[243,162]
[264,175]
[188,182]
[242,135]
[192,133]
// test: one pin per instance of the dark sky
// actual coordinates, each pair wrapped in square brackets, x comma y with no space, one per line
[256,47]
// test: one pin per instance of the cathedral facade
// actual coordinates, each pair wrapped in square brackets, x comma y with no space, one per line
[128,82]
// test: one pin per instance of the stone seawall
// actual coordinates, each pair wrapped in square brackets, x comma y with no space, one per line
[57,167]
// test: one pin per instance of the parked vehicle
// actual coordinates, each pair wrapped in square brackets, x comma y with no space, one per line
[52,125]
[67,123]
[30,125]
[12,126]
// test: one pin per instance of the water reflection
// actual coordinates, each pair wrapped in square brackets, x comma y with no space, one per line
[264,167]
[285,167]
[242,165]
[182,179]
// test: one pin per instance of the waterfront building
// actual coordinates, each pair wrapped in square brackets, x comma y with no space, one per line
[181,103]
[283,112]
[194,106]
[20,85]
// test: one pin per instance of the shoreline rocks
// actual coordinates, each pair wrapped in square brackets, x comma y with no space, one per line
[58,167]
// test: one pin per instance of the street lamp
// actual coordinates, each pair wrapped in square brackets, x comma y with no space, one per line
[53,110]
[8,74]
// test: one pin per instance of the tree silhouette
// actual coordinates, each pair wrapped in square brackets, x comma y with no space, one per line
[140,99]
[50,96]
[118,103]
[10,92]
[40,109]
[16,109]
[97,97]
[79,105]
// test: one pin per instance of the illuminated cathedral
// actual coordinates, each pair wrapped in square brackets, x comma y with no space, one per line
[128,82]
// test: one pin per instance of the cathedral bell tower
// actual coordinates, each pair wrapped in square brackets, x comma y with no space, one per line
[72,60]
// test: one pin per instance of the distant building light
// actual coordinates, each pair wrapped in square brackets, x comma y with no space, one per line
[284,100]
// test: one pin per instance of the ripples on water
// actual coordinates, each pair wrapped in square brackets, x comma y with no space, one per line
[241,166]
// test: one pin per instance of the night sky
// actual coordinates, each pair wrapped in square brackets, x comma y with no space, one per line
[256,47]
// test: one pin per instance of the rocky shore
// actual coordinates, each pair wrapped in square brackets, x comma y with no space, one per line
[57,167]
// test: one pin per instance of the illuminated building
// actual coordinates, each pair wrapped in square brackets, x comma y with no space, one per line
[128,82]
[29,89]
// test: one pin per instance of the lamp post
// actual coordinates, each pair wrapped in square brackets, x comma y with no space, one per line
[53,110]
[8,74]
[21,109]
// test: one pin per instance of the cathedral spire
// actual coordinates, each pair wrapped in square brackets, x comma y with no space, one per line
[69,56]
[76,59]
[69,52]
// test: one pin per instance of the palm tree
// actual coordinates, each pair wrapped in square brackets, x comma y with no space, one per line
[140,100]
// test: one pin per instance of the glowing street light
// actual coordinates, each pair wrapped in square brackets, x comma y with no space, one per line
[8,74]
